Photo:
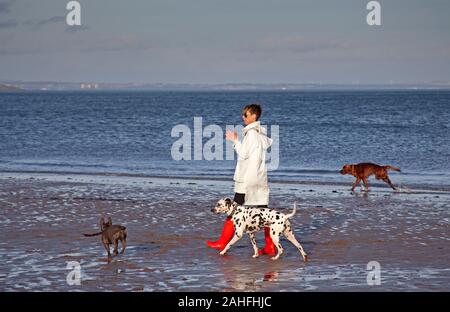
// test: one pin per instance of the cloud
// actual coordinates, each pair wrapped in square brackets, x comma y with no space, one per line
[9,24]
[293,44]
[5,6]
[32,24]
[119,43]
[29,43]
[37,24]
[75,29]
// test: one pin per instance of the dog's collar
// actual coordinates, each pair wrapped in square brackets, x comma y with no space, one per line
[233,211]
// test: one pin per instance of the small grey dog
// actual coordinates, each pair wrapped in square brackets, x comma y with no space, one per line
[111,234]
[251,220]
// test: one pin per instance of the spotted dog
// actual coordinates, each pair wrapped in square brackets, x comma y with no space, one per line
[251,220]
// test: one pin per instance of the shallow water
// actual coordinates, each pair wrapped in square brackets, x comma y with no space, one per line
[168,220]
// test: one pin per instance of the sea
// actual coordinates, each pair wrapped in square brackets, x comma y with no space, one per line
[135,133]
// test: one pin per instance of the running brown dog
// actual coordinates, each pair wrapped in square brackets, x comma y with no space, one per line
[362,172]
[111,234]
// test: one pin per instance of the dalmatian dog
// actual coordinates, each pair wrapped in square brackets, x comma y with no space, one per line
[251,220]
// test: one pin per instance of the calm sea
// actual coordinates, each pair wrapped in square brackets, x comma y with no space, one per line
[130,132]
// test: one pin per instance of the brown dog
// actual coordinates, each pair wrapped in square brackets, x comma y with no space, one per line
[111,234]
[362,172]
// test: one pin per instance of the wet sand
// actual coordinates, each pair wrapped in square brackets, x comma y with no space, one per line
[43,217]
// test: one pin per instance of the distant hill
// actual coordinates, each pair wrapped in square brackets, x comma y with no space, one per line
[7,87]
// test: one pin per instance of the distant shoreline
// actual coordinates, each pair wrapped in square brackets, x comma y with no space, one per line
[70,175]
[7,85]
[9,88]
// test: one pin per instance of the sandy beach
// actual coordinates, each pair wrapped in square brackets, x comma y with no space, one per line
[168,220]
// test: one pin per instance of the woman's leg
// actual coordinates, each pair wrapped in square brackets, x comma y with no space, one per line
[239,198]
[269,249]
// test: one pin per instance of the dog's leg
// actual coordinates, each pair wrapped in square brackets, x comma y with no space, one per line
[357,182]
[237,236]
[388,181]
[106,245]
[116,246]
[124,245]
[366,184]
[255,247]
[275,236]
[290,236]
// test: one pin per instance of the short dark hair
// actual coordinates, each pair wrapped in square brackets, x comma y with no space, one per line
[253,108]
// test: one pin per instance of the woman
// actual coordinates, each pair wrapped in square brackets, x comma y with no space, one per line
[250,177]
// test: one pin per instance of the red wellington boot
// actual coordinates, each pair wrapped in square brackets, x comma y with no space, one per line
[225,237]
[269,249]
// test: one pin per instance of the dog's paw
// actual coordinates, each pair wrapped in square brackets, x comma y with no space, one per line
[255,256]
[275,258]
[222,253]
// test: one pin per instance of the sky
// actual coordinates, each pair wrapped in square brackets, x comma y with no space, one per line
[226,41]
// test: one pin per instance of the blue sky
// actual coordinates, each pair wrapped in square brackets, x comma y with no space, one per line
[217,41]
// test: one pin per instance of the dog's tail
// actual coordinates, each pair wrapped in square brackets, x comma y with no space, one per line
[94,234]
[391,168]
[293,211]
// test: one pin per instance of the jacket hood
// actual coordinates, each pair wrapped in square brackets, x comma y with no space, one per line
[264,139]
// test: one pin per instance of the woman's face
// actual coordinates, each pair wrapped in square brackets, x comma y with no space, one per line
[248,118]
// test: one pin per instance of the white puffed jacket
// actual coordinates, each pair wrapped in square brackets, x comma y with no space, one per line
[250,175]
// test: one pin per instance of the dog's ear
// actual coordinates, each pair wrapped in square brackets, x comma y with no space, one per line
[228,201]
[101,223]
[109,221]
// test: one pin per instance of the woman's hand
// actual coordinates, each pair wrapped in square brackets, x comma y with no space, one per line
[231,136]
